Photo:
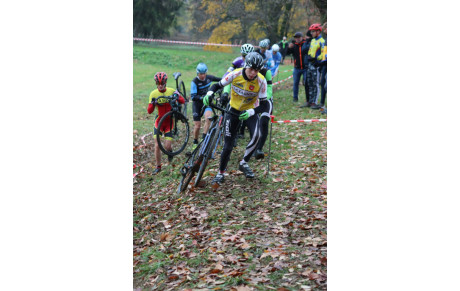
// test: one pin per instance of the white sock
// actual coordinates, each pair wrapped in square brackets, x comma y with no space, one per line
[242,162]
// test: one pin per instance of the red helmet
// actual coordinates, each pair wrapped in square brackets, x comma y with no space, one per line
[161,78]
[316,26]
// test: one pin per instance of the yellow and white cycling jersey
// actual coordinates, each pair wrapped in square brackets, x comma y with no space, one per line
[245,92]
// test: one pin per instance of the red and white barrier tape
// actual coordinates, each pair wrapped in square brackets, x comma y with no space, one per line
[298,120]
[276,83]
[142,137]
[140,171]
[183,42]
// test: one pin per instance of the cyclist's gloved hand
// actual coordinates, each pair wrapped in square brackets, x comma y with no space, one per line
[224,98]
[154,100]
[162,100]
[208,98]
[175,97]
[246,114]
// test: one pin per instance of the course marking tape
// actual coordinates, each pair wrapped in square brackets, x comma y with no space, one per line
[140,171]
[145,135]
[295,121]
[183,42]
[276,83]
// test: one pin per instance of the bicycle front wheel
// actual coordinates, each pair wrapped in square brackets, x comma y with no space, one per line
[189,169]
[175,133]
[211,143]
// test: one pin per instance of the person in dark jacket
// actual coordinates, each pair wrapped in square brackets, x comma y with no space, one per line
[305,48]
[295,49]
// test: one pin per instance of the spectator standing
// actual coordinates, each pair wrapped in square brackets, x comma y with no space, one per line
[322,67]
[295,49]
[315,56]
[305,48]
[283,48]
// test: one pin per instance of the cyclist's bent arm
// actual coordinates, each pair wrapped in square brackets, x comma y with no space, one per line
[194,92]
[214,78]
[216,86]
[151,106]
[264,106]
[227,89]
[226,80]
[268,77]
[181,99]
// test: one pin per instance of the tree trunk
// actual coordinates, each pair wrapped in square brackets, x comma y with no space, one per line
[322,7]
[286,18]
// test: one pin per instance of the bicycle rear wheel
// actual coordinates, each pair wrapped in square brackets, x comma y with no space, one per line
[210,145]
[189,169]
[177,124]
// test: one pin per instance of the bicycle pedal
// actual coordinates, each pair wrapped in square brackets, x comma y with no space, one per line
[188,154]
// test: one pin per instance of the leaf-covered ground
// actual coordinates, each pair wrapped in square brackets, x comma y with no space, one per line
[269,233]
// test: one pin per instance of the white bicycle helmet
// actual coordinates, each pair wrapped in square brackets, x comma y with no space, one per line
[276,48]
[264,43]
[247,48]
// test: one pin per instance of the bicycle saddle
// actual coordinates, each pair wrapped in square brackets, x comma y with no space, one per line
[176,75]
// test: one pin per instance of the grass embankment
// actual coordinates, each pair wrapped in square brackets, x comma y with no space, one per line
[264,233]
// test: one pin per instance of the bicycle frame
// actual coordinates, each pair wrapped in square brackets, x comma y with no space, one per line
[212,128]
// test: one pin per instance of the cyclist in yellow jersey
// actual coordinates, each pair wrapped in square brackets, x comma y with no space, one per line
[247,86]
[156,100]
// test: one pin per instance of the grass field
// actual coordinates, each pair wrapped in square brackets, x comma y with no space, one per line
[259,234]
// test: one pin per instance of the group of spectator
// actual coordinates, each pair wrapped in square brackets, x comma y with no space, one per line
[310,61]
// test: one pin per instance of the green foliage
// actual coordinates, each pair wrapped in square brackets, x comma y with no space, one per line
[154,18]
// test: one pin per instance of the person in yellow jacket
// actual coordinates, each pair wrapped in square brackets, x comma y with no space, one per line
[315,56]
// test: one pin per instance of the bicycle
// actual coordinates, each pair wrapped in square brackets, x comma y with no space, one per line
[180,87]
[178,125]
[198,159]
[215,133]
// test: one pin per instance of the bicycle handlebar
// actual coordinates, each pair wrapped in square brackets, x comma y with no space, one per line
[171,98]
[176,75]
[217,107]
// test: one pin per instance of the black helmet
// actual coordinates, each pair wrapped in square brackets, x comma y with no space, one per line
[254,60]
